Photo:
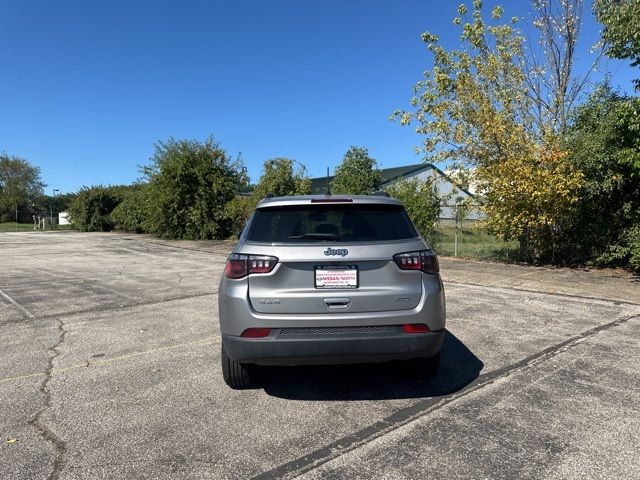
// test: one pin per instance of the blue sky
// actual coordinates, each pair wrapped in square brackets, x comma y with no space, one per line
[86,88]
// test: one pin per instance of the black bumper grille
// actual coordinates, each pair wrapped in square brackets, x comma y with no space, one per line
[320,331]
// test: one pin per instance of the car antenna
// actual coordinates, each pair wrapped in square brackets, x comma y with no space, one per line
[328,189]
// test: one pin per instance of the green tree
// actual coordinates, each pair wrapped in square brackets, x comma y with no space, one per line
[358,174]
[475,106]
[533,198]
[189,184]
[422,202]
[55,203]
[20,184]
[280,177]
[604,142]
[621,33]
[464,204]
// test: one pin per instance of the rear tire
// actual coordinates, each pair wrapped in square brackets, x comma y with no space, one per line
[425,368]
[235,374]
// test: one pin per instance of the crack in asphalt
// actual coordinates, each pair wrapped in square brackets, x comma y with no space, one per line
[37,422]
[106,308]
[615,301]
[101,361]
[414,412]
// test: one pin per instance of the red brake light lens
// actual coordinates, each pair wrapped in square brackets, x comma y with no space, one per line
[240,265]
[332,200]
[424,260]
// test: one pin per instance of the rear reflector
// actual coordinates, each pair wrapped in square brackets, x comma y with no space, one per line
[415,328]
[256,332]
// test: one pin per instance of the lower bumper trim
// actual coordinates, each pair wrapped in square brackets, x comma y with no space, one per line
[298,350]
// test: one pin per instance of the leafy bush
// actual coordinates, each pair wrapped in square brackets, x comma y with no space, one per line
[604,143]
[625,253]
[131,213]
[280,177]
[90,210]
[422,202]
[189,184]
[238,211]
[633,243]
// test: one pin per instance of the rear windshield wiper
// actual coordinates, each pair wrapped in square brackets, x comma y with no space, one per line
[314,236]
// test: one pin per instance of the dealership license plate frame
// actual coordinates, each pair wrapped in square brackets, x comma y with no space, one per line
[352,269]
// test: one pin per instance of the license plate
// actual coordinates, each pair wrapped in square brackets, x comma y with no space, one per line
[328,277]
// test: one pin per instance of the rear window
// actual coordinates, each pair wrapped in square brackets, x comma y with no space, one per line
[342,223]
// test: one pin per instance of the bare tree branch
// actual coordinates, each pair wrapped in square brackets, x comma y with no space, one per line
[550,72]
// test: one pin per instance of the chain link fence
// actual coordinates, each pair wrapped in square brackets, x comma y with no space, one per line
[29,221]
[462,232]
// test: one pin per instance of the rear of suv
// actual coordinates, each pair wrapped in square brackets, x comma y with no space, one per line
[330,279]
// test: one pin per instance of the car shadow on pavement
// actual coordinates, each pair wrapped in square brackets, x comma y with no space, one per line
[459,367]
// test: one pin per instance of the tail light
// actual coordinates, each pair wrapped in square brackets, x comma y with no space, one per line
[240,265]
[424,260]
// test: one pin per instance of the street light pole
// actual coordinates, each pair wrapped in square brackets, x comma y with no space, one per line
[51,208]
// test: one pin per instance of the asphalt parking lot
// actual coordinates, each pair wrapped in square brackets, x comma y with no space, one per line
[110,369]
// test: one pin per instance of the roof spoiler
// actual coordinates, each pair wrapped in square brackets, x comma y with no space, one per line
[380,193]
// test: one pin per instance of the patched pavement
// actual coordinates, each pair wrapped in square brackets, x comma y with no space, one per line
[110,369]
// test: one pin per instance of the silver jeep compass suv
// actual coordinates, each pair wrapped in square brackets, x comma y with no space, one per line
[330,279]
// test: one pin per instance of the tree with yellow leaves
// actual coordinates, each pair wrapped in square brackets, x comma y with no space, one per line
[532,198]
[475,107]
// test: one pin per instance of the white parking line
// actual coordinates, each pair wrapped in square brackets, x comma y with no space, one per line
[16,304]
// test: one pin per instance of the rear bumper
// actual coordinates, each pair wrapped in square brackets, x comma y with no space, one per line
[331,349]
[236,313]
